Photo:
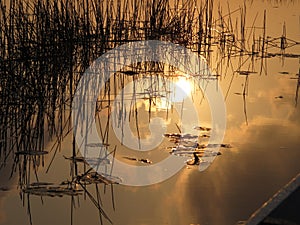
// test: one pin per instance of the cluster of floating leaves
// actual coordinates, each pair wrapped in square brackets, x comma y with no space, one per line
[96,178]
[48,189]
[68,187]
[189,145]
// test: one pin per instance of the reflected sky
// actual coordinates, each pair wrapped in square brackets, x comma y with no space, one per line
[264,157]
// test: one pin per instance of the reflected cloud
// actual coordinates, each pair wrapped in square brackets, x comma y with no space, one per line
[263,158]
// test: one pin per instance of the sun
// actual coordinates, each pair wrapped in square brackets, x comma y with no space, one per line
[178,90]
[185,85]
[182,89]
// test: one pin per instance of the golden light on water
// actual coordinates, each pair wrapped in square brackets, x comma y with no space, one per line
[185,85]
[181,89]
[245,44]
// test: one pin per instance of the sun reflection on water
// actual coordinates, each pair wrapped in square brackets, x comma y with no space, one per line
[181,89]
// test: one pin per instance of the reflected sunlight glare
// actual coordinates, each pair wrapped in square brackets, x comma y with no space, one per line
[181,89]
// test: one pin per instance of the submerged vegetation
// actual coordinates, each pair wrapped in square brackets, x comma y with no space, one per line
[45,47]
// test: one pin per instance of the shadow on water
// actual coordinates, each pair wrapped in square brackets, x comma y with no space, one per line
[47,45]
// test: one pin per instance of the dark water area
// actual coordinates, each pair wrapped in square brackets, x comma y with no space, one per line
[253,52]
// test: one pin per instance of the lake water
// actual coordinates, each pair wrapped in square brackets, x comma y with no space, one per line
[263,130]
